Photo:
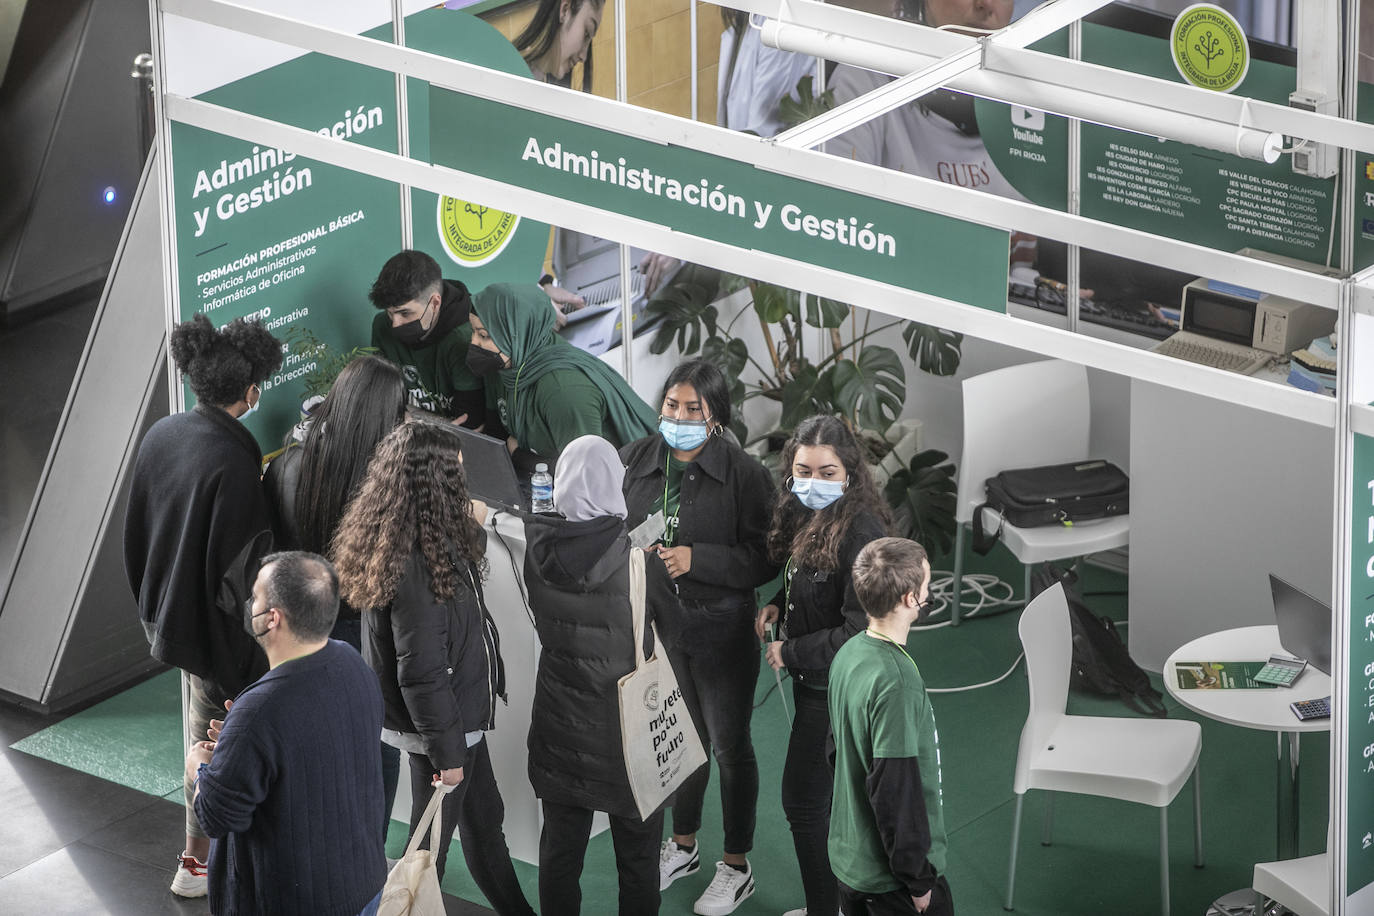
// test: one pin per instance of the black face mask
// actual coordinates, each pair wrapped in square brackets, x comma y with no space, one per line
[482,362]
[412,333]
[249,617]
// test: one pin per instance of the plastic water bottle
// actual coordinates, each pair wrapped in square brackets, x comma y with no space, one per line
[541,489]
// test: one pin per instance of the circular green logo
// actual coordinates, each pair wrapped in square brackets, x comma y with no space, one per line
[473,234]
[1209,48]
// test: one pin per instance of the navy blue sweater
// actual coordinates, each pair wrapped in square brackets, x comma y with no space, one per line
[293,797]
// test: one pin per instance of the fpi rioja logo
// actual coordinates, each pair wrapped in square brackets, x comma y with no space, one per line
[1209,48]
[474,234]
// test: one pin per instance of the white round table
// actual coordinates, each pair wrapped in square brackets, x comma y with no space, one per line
[1261,708]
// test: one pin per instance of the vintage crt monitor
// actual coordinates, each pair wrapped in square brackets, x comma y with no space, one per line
[1259,320]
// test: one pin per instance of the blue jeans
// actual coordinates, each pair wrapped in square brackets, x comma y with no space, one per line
[807,784]
[373,905]
[716,659]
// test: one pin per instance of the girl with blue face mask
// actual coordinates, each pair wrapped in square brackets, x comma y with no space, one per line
[827,512]
[712,501]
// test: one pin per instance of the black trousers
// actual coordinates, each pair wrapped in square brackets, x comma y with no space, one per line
[896,903]
[475,808]
[563,848]
[807,784]
[716,660]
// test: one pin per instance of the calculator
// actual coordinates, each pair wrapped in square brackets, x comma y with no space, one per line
[1281,671]
[1312,709]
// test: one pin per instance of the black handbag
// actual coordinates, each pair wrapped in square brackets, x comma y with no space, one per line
[1058,494]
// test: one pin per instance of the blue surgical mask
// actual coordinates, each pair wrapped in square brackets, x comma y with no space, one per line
[683,435]
[815,493]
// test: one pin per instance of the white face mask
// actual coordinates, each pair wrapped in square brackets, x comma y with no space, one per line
[252,407]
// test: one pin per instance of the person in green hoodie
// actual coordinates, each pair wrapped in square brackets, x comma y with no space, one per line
[549,392]
[422,327]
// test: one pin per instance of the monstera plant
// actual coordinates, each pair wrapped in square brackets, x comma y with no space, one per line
[851,376]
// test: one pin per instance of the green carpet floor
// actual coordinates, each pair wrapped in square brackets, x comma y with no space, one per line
[1103,859]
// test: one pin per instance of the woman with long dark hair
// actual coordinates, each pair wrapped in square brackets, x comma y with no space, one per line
[558,37]
[829,510]
[410,552]
[715,501]
[310,483]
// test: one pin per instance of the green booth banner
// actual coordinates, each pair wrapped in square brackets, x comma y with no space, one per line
[716,198]
[262,233]
[1359,798]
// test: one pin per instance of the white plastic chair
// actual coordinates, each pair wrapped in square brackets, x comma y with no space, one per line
[1027,416]
[1138,760]
[1302,885]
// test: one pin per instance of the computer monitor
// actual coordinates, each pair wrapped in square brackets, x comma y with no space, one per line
[1304,624]
[487,465]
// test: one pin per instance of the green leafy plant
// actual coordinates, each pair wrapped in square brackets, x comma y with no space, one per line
[923,496]
[302,344]
[852,376]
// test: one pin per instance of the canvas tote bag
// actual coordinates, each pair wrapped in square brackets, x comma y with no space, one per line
[656,730]
[412,886]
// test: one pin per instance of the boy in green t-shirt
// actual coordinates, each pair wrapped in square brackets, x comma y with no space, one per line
[887,826]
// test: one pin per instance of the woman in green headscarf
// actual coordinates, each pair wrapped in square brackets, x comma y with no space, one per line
[551,392]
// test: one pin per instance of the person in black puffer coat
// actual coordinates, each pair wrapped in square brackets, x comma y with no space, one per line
[410,550]
[577,572]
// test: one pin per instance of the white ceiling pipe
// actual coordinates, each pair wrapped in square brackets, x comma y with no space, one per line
[1138,117]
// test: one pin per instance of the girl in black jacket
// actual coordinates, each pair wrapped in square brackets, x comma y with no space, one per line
[577,571]
[311,482]
[830,511]
[410,550]
[715,501]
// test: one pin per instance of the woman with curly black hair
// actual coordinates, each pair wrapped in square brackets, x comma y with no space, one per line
[195,504]
[410,554]
[828,510]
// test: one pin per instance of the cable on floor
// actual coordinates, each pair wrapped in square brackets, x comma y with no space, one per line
[992,596]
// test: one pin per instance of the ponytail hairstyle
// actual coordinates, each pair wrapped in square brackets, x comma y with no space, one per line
[222,364]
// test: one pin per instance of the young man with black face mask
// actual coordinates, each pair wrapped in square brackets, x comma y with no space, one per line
[423,328]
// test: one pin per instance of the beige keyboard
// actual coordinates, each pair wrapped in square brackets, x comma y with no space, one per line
[1216,354]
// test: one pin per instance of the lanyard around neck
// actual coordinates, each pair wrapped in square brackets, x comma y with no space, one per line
[900,647]
[667,460]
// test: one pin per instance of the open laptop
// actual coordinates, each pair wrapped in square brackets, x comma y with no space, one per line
[487,467]
[1304,624]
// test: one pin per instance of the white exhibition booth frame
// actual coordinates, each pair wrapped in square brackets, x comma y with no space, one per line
[201,44]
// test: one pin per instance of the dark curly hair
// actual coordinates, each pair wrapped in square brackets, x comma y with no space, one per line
[812,538]
[407,276]
[222,364]
[366,401]
[414,497]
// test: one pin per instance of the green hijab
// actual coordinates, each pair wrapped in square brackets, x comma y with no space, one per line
[520,321]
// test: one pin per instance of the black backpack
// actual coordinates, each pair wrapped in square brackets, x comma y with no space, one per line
[1101,663]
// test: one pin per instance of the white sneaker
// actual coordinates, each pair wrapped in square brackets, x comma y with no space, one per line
[675,862]
[800,911]
[190,880]
[727,890]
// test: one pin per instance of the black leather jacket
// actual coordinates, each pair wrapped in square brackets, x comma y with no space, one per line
[725,510]
[819,608]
